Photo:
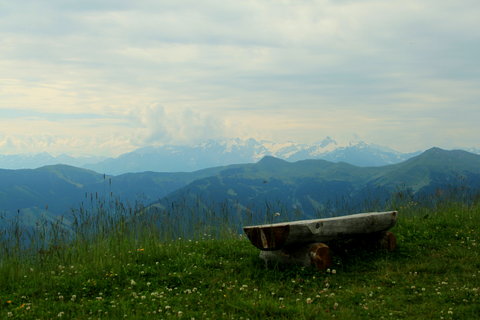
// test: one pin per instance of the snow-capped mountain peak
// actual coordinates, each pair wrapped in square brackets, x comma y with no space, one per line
[211,153]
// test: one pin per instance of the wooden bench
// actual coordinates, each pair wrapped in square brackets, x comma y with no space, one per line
[303,242]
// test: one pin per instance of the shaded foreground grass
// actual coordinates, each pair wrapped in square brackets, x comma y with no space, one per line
[433,274]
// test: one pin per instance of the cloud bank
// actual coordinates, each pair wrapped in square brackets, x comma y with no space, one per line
[109,76]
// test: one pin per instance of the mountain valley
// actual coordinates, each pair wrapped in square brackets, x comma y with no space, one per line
[306,188]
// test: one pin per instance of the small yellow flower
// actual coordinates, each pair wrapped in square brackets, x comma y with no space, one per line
[140,249]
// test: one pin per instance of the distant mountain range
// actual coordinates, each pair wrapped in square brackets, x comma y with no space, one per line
[307,187]
[174,158]
[56,190]
[37,160]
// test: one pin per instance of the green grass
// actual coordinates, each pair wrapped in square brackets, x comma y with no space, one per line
[433,274]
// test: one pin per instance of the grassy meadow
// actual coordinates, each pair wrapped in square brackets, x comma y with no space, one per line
[114,263]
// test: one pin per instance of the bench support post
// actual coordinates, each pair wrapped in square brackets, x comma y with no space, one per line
[318,255]
[315,255]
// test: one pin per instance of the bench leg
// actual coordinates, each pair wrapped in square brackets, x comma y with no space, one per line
[315,255]
[388,241]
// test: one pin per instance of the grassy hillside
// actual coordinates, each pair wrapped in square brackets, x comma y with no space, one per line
[318,188]
[303,189]
[434,166]
[52,191]
[57,187]
[132,269]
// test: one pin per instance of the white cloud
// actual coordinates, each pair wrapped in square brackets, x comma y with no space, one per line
[158,125]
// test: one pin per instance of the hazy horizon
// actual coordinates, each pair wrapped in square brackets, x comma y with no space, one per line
[271,145]
[105,78]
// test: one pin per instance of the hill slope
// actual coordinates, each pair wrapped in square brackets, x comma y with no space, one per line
[308,187]
[55,190]
[434,168]
[53,186]
[319,187]
[433,274]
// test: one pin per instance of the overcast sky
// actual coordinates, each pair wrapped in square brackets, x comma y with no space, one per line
[108,76]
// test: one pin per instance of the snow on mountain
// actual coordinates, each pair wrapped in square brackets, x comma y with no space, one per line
[473,150]
[212,153]
[363,154]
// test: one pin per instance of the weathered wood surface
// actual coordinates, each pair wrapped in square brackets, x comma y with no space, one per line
[279,235]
